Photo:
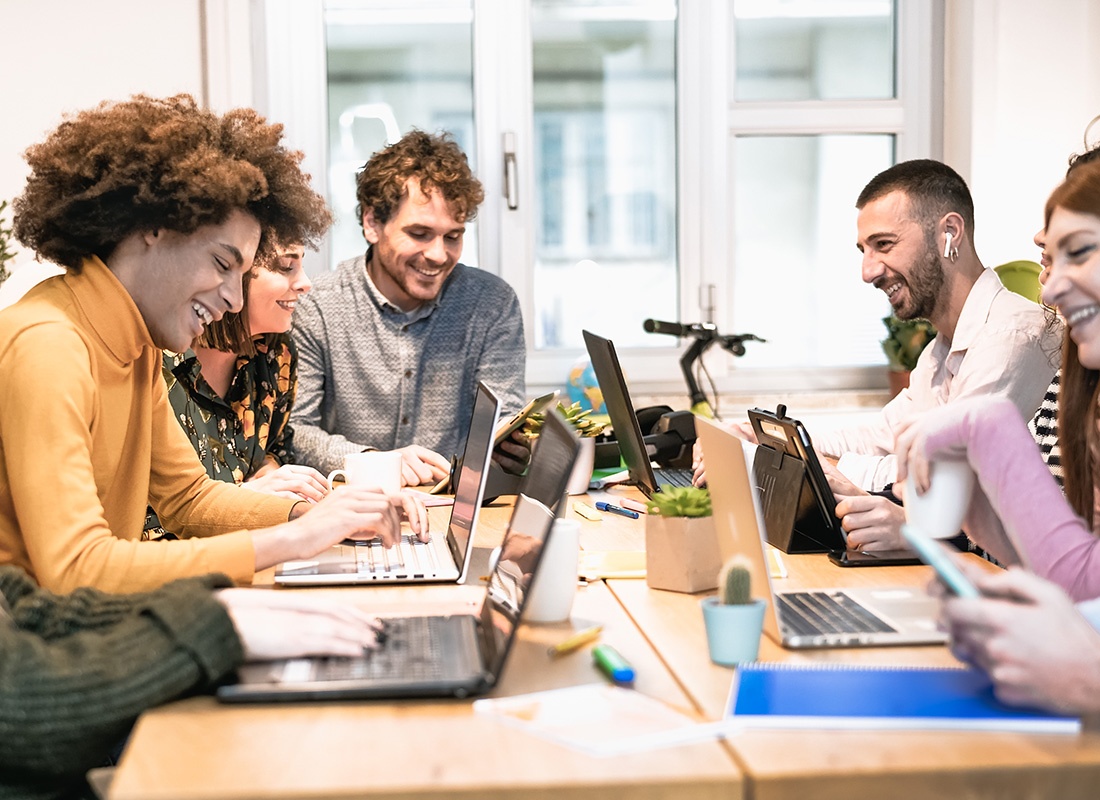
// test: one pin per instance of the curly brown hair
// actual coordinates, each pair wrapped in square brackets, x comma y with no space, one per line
[435,161]
[149,163]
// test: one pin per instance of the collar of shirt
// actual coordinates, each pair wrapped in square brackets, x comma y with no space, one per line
[975,311]
[109,309]
[423,311]
[188,371]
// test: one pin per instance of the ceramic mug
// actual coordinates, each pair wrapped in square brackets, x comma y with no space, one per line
[939,512]
[550,596]
[375,469]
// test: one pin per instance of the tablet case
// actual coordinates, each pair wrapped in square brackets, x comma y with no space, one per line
[793,517]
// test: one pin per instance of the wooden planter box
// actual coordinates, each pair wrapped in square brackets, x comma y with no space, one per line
[681,553]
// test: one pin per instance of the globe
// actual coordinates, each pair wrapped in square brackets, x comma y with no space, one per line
[583,387]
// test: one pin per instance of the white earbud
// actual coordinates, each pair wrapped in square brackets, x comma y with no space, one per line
[947,244]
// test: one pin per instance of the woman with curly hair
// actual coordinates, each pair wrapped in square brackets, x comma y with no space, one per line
[233,390]
[156,209]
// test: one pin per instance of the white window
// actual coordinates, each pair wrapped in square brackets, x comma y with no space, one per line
[692,161]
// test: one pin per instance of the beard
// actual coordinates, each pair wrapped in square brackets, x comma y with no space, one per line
[925,282]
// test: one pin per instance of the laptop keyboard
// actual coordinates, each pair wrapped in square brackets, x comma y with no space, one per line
[812,613]
[410,557]
[672,477]
[410,649]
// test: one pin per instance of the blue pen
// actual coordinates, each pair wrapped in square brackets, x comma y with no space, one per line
[625,512]
[616,667]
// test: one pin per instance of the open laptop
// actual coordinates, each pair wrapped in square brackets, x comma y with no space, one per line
[431,656]
[609,374]
[444,558]
[856,617]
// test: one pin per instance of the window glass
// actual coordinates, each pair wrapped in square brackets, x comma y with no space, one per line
[798,281]
[394,66]
[814,49]
[605,169]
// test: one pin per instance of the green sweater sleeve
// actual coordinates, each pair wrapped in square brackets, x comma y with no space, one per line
[76,671]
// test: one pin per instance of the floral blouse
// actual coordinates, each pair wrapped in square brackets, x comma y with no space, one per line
[233,435]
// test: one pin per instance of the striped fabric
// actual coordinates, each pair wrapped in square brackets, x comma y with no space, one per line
[1044,427]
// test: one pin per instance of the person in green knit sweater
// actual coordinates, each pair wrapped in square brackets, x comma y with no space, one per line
[76,670]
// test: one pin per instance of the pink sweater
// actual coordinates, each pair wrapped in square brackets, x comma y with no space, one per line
[1017,513]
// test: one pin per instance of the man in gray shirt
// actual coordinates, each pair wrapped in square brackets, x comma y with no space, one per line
[392,344]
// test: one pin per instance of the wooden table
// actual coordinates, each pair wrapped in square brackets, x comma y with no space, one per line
[849,765]
[198,749]
[422,749]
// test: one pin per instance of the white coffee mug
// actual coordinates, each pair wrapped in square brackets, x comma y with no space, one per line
[375,469]
[550,596]
[939,512]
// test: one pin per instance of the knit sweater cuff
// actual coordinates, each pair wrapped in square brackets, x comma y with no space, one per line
[199,623]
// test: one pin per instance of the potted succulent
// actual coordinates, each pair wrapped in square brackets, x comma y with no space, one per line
[588,429]
[681,545]
[905,341]
[734,620]
[6,251]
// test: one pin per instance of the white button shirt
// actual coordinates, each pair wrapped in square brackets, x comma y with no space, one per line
[1004,345]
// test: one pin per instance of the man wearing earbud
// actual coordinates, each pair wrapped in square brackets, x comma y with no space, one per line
[916,234]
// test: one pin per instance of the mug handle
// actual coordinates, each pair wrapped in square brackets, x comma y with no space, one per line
[332,476]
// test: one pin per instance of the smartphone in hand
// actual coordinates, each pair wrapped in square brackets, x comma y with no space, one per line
[937,555]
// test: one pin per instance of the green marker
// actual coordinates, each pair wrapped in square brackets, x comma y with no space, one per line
[616,667]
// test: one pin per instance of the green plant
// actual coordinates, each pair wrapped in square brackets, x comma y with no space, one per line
[680,501]
[6,251]
[579,418]
[735,582]
[905,341]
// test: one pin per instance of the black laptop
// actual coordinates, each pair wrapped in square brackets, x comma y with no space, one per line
[432,656]
[636,454]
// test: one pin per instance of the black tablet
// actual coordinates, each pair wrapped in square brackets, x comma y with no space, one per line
[816,514]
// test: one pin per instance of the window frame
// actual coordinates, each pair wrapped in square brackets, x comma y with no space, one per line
[289,85]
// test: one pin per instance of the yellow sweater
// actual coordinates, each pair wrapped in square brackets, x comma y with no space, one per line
[87,438]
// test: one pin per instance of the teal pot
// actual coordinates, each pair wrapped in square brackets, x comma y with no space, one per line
[733,632]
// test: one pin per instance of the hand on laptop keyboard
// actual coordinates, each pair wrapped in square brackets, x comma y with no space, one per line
[274,625]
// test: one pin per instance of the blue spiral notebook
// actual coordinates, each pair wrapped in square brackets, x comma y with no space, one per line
[767,695]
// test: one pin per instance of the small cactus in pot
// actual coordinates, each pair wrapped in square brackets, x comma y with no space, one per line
[735,582]
[734,621]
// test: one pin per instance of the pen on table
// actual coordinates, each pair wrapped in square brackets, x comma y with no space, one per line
[575,642]
[612,664]
[610,509]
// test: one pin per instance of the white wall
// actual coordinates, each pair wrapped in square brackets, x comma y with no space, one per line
[1023,80]
[59,56]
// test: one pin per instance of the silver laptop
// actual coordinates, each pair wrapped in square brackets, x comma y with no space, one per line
[636,454]
[444,558]
[889,615]
[453,655]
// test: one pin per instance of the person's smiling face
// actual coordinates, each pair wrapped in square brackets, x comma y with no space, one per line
[897,257]
[415,249]
[274,290]
[187,281]
[1073,281]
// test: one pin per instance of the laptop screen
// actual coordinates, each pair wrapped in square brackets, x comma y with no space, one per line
[469,486]
[532,517]
[609,374]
